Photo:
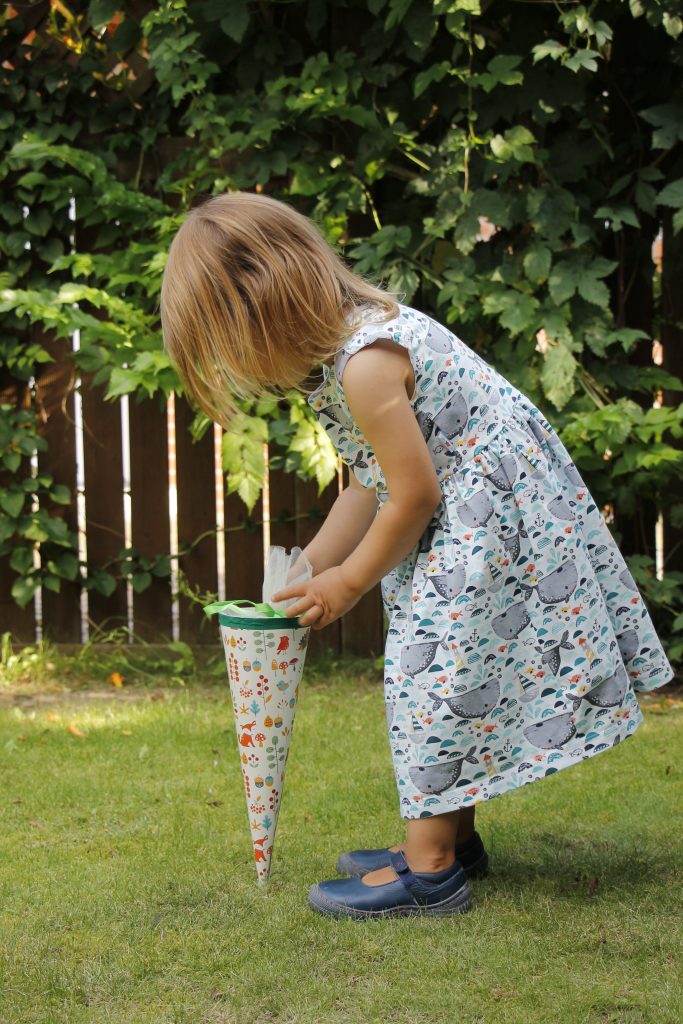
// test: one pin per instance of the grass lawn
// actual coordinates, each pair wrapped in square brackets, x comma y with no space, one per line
[128,894]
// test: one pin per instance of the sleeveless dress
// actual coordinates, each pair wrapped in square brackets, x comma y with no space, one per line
[516,634]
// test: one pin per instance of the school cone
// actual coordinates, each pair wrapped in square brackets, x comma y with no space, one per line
[264,654]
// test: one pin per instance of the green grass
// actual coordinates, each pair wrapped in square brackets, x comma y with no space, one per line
[128,894]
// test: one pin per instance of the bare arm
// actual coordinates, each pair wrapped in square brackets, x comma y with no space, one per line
[390,426]
[376,387]
[345,525]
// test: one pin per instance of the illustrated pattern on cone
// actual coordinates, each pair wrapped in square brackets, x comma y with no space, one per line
[517,636]
[264,671]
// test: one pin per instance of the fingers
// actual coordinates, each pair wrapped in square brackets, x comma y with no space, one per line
[311,616]
[309,611]
[299,607]
[295,590]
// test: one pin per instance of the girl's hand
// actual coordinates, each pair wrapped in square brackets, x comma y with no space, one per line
[322,599]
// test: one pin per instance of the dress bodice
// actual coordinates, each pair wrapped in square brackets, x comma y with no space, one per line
[459,400]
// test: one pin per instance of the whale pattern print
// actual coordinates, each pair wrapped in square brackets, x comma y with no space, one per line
[517,638]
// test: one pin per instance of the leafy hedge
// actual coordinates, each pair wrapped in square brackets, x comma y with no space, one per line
[506,165]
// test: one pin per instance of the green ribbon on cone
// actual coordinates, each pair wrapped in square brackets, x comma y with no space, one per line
[234,608]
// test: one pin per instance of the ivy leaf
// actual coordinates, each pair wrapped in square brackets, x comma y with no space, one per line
[515,144]
[101,581]
[646,197]
[599,339]
[61,494]
[243,457]
[618,216]
[557,374]
[236,23]
[66,566]
[38,221]
[433,74]
[397,12]
[318,455]
[501,70]
[405,280]
[50,249]
[23,589]
[100,12]
[7,528]
[141,580]
[551,48]
[585,59]
[667,119]
[21,559]
[517,311]
[562,282]
[579,273]
[126,35]
[161,567]
[672,194]
[12,502]
[537,263]
[593,290]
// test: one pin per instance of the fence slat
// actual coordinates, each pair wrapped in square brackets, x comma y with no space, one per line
[282,508]
[315,507]
[196,515]
[363,627]
[243,550]
[151,531]
[103,472]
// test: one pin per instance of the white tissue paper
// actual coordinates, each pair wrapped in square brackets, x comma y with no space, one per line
[283,568]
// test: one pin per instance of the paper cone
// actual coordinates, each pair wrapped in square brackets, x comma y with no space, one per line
[265,660]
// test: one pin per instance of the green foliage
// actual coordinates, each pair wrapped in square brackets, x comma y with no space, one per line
[26,500]
[507,173]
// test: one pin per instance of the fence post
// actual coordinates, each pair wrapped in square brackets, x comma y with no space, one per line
[150,524]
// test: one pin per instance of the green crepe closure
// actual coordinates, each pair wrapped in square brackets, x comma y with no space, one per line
[229,614]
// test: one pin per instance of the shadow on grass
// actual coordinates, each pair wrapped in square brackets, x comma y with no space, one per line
[569,866]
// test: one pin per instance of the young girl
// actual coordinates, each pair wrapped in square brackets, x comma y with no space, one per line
[516,634]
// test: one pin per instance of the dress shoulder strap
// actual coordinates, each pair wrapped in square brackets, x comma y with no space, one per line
[407,329]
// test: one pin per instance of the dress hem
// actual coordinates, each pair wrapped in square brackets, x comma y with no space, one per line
[513,779]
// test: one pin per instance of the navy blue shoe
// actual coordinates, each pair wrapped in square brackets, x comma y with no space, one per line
[437,893]
[471,855]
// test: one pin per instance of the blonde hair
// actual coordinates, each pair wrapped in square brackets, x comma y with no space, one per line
[253,297]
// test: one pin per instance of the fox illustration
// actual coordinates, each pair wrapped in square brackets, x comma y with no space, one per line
[246,739]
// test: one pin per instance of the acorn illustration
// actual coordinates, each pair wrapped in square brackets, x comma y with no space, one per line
[258,781]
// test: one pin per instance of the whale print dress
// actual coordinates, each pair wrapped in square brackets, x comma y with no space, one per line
[516,634]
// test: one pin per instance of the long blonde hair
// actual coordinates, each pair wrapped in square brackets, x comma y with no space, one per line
[253,297]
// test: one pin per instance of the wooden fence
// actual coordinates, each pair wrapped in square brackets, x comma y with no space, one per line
[139,480]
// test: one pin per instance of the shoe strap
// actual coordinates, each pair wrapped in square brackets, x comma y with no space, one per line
[405,875]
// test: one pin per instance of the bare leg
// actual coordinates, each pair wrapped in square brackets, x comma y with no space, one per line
[430,844]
